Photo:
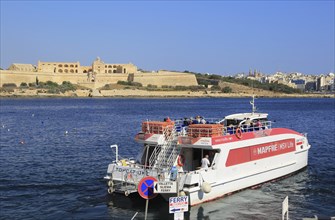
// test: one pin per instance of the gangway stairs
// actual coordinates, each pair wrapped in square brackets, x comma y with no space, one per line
[165,154]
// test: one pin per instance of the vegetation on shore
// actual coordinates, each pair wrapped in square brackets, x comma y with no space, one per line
[149,87]
[47,87]
[207,80]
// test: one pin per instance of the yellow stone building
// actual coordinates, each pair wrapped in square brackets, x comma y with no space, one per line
[98,66]
[95,76]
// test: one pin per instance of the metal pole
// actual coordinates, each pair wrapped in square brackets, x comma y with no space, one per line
[177,183]
[146,209]
[146,157]
[134,216]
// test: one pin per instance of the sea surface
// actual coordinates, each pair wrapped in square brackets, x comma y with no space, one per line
[54,154]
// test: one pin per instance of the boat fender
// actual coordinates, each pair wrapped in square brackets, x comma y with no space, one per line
[126,193]
[181,160]
[206,187]
[238,133]
[110,183]
[110,190]
[182,193]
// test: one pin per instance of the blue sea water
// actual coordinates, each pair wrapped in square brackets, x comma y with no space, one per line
[54,154]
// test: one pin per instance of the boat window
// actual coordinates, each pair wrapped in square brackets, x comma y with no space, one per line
[198,154]
[234,122]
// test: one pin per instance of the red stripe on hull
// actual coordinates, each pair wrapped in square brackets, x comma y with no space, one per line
[256,152]
[252,135]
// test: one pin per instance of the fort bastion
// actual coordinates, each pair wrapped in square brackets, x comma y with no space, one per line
[94,76]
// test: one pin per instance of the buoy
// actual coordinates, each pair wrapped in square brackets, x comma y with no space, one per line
[21,142]
[206,187]
[66,132]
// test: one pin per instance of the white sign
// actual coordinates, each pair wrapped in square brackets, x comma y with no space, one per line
[165,187]
[178,204]
[179,216]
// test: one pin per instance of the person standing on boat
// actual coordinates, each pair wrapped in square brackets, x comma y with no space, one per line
[205,162]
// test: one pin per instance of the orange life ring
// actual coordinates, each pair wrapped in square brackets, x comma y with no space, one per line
[238,133]
[181,160]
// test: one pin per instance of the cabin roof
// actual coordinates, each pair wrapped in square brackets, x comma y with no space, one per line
[243,116]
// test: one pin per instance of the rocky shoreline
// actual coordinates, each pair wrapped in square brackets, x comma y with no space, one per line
[133,93]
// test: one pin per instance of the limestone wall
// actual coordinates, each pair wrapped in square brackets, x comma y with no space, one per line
[16,77]
[159,79]
[166,78]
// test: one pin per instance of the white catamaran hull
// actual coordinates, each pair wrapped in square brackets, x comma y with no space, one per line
[226,180]
[243,149]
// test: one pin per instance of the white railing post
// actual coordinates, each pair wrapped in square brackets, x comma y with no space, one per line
[285,208]
[116,152]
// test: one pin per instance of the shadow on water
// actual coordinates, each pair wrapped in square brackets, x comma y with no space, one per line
[120,206]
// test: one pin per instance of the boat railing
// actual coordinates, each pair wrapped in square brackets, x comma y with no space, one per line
[249,128]
[197,128]
[213,130]
[205,130]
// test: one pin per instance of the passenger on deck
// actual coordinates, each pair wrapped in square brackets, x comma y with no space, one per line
[205,162]
[247,125]
[258,125]
[198,118]
[251,126]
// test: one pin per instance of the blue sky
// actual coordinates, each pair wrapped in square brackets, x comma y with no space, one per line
[222,37]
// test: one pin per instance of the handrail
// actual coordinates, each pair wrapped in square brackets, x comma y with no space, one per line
[227,130]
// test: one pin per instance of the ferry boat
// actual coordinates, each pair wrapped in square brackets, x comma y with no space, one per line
[244,151]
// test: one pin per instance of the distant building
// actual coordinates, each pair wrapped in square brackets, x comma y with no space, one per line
[321,83]
[310,86]
[98,66]
[299,83]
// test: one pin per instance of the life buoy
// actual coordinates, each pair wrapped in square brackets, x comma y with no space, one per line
[238,133]
[181,160]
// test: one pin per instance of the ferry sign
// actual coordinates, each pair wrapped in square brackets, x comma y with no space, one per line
[178,204]
[165,187]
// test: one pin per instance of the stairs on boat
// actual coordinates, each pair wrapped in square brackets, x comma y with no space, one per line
[164,155]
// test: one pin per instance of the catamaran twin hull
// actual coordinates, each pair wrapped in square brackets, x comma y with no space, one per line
[238,161]
[253,159]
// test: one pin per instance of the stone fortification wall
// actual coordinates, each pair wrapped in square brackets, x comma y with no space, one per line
[7,76]
[167,78]
[157,78]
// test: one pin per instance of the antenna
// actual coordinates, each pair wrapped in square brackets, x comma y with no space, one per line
[252,103]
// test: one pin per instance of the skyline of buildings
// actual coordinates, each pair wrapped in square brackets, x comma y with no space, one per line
[304,82]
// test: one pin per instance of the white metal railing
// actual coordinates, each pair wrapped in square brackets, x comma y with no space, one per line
[161,156]
[226,130]
[167,156]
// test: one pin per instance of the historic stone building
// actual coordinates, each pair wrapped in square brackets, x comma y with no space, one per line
[95,76]
[58,67]
[98,66]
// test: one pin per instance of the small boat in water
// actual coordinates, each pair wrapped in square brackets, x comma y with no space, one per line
[210,158]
